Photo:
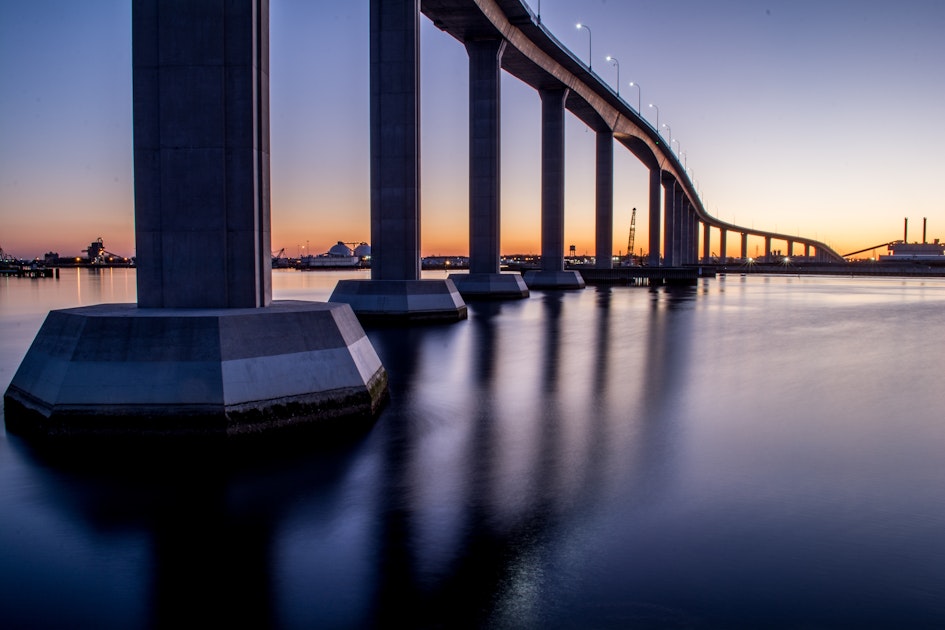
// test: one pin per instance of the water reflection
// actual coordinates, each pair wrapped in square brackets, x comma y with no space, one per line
[571,460]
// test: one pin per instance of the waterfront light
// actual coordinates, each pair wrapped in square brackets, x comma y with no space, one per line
[614,61]
[639,94]
[590,49]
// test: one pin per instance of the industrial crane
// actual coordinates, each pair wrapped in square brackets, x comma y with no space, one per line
[632,237]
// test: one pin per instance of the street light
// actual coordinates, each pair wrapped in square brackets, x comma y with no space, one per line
[639,93]
[657,117]
[590,57]
[670,130]
[678,146]
[614,61]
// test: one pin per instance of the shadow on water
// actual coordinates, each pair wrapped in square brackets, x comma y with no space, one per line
[210,514]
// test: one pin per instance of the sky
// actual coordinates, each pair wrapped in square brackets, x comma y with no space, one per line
[821,118]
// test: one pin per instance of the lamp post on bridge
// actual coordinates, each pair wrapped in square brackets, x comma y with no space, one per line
[614,61]
[670,130]
[657,117]
[590,49]
[639,94]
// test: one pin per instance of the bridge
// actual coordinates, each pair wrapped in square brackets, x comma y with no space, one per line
[504,35]
[206,351]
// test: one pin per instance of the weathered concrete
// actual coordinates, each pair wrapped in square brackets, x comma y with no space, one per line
[414,300]
[116,369]
[498,286]
[201,153]
[604,216]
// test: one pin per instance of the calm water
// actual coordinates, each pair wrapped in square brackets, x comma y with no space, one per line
[751,452]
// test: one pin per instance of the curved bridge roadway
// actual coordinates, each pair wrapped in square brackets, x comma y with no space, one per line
[533,55]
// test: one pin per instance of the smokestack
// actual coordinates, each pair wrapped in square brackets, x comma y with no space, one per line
[923,229]
[905,231]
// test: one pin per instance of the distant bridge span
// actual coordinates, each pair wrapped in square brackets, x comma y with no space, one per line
[534,56]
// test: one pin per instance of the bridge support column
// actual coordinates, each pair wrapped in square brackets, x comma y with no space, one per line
[604,245]
[745,246]
[395,290]
[484,279]
[654,244]
[806,250]
[767,249]
[691,244]
[694,241]
[205,352]
[552,274]
[706,243]
[790,249]
[670,224]
[723,244]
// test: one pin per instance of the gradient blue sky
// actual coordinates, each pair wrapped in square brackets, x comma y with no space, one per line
[825,119]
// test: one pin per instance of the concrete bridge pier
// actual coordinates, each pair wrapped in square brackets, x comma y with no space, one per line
[684,227]
[767,248]
[744,245]
[484,279]
[693,234]
[395,290]
[205,352]
[706,242]
[723,245]
[654,216]
[552,274]
[670,225]
[604,237]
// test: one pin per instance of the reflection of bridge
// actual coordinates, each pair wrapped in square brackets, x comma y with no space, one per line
[505,35]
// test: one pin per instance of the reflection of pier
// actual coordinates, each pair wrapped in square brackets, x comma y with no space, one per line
[645,275]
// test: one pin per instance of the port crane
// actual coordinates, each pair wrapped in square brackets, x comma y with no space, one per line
[633,235]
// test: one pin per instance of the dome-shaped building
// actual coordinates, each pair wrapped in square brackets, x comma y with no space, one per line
[339,249]
[363,250]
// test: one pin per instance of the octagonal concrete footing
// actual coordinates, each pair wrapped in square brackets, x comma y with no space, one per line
[120,370]
[554,280]
[392,300]
[494,286]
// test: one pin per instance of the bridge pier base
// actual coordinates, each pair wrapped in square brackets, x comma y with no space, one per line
[117,370]
[542,279]
[495,286]
[410,300]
